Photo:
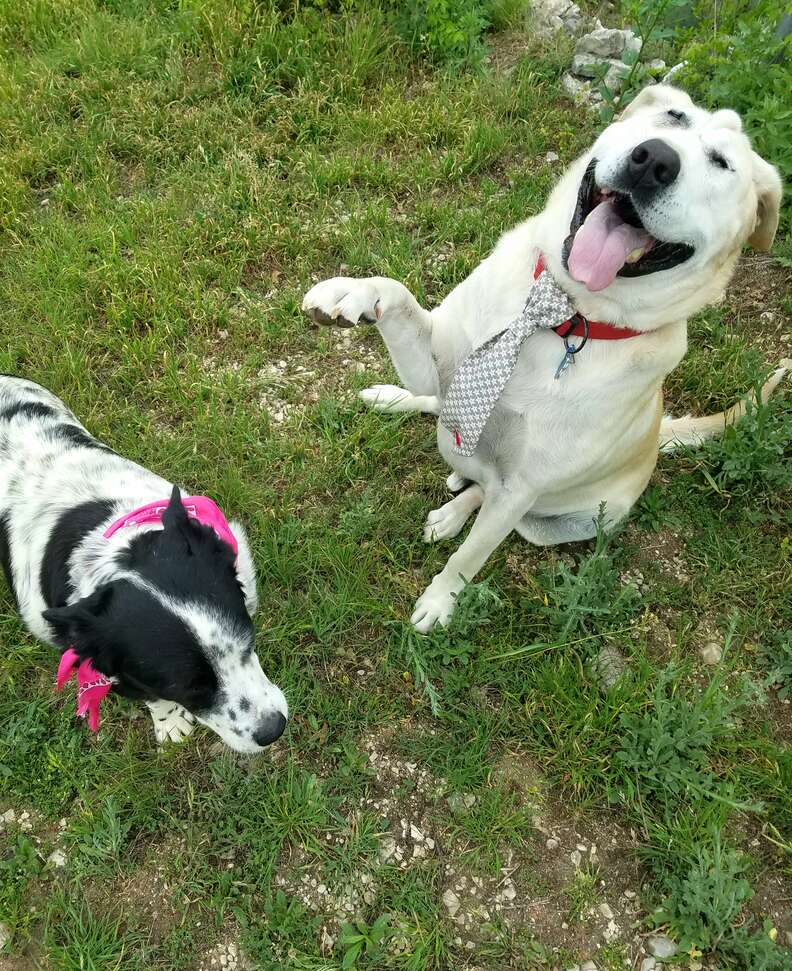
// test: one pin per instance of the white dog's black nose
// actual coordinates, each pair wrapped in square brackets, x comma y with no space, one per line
[653,165]
[270,729]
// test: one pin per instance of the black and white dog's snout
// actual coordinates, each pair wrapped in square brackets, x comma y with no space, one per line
[651,166]
[270,729]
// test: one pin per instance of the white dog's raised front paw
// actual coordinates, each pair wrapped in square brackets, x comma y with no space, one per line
[434,606]
[171,721]
[343,301]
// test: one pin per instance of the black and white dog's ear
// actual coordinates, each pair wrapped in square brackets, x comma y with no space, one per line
[78,623]
[245,570]
[175,516]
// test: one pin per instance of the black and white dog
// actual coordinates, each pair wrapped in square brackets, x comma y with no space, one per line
[162,609]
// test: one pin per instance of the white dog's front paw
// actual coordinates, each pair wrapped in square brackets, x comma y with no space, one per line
[445,522]
[343,301]
[171,721]
[387,397]
[434,606]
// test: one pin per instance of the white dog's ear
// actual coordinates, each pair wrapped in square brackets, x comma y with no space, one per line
[769,190]
[656,96]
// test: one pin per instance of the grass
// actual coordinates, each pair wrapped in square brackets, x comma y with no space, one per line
[172,178]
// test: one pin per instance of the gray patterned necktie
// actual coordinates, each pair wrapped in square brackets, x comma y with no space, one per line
[480,379]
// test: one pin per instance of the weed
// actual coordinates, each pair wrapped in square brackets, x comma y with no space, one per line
[592,598]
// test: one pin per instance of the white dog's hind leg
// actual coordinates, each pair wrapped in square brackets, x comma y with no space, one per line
[449,519]
[171,721]
[405,326]
[390,398]
[500,512]
[569,528]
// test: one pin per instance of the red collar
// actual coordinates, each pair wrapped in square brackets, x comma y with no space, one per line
[596,330]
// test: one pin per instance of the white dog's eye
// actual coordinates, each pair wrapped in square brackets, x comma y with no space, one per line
[717,159]
[679,117]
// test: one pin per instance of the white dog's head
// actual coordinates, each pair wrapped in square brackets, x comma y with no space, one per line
[668,187]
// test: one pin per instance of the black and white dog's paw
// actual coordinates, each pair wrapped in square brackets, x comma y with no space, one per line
[171,721]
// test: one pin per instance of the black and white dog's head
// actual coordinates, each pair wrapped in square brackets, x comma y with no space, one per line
[170,623]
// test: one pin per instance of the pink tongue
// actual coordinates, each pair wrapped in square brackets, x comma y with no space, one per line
[601,247]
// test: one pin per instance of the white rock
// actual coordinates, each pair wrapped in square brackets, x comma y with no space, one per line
[616,75]
[5,936]
[551,157]
[608,42]
[9,816]
[648,964]
[509,892]
[57,858]
[661,947]
[711,653]
[606,912]
[552,843]
[672,72]
[451,902]
[588,966]
[575,857]
[579,91]
[387,849]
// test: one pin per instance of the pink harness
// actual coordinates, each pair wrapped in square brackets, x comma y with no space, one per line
[92,685]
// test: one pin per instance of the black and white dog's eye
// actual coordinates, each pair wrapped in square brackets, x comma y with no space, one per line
[678,116]
[717,159]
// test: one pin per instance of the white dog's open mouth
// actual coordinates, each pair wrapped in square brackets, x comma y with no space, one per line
[607,239]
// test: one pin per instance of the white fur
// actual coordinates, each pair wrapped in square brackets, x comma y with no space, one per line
[552,451]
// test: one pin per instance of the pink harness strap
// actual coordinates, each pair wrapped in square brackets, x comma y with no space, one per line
[92,685]
[201,508]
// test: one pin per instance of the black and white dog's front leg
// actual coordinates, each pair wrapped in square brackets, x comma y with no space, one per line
[406,329]
[171,721]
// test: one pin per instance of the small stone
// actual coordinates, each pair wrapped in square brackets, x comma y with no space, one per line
[9,816]
[711,653]
[551,157]
[552,843]
[451,902]
[579,91]
[509,892]
[57,858]
[575,857]
[630,894]
[606,912]
[588,966]
[387,849]
[661,947]
[648,964]
[5,936]
[582,847]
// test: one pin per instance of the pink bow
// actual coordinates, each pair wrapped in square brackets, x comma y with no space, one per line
[91,685]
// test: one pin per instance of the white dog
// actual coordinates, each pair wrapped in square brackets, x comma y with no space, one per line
[642,231]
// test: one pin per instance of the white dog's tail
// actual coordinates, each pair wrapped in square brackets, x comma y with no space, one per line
[675,432]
